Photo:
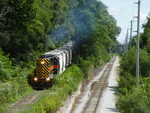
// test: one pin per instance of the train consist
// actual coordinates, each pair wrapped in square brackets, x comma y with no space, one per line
[51,64]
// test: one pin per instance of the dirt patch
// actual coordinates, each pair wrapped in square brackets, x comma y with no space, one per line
[92,86]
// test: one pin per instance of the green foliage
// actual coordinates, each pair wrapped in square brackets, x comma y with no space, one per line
[132,99]
[134,102]
[128,63]
[135,99]
[126,83]
[85,65]
[35,26]
[145,40]
[88,23]
[94,37]
[28,22]
[13,83]
[144,64]
[65,84]
[6,68]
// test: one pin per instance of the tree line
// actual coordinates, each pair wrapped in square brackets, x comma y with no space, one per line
[31,26]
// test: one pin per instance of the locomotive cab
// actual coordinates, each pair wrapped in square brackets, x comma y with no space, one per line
[46,69]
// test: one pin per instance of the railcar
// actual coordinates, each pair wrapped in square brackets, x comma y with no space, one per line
[51,64]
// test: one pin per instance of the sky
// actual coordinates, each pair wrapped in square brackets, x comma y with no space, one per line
[124,11]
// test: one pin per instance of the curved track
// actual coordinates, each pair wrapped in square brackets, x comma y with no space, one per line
[98,87]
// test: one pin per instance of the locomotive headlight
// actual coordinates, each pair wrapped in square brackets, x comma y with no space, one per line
[35,79]
[47,79]
[42,62]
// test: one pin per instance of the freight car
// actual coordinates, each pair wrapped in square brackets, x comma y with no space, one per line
[51,64]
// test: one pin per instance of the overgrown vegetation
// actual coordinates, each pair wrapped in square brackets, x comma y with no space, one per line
[134,99]
[13,84]
[40,25]
[28,28]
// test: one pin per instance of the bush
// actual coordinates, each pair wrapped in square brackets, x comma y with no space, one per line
[133,102]
[132,99]
[6,68]
[128,63]
[13,84]
[126,83]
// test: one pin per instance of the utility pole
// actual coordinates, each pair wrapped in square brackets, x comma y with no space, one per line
[131,33]
[127,41]
[137,44]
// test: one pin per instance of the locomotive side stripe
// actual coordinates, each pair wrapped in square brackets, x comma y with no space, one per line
[53,67]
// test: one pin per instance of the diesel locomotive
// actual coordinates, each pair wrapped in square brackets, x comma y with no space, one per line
[51,64]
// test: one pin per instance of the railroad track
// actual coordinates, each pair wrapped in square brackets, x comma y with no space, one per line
[98,87]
